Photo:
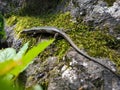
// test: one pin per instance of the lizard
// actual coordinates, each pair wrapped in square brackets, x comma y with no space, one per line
[54,30]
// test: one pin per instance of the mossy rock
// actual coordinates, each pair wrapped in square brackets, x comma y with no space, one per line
[96,43]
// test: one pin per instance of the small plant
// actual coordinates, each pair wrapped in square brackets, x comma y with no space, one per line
[12,63]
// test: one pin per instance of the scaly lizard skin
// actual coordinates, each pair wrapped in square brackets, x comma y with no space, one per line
[53,30]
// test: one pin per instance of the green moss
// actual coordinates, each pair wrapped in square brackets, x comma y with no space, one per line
[110,2]
[58,20]
[96,43]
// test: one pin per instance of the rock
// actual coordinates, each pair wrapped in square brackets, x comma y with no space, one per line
[98,14]
[12,40]
[10,6]
[29,7]
[83,73]
[75,72]
[53,84]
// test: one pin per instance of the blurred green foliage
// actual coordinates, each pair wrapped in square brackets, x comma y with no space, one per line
[12,63]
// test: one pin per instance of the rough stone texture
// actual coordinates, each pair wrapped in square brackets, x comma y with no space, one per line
[12,40]
[10,6]
[82,74]
[74,72]
[98,14]
[95,13]
[27,7]
[86,74]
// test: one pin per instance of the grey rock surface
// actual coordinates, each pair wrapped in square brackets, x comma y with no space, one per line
[12,40]
[98,14]
[82,74]
[74,72]
[29,7]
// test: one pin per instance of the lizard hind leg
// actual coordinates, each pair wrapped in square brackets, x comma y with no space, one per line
[56,35]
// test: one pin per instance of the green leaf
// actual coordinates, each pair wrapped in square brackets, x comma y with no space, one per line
[29,56]
[7,54]
[6,66]
[9,58]
[37,87]
[4,85]
[22,51]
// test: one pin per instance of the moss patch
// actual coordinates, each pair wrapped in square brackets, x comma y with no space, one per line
[96,43]
[110,2]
